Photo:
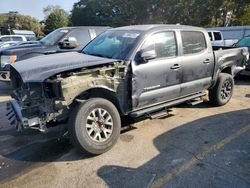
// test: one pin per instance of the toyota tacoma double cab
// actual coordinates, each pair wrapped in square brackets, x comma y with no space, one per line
[129,71]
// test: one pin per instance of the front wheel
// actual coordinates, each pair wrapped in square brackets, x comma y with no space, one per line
[222,92]
[95,126]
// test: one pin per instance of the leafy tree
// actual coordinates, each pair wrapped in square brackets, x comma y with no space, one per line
[49,9]
[191,12]
[245,18]
[14,20]
[56,17]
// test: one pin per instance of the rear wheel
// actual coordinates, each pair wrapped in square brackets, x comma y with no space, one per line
[222,92]
[95,126]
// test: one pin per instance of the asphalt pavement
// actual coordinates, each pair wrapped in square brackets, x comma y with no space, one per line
[198,146]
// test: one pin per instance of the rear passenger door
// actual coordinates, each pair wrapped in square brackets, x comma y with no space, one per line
[197,62]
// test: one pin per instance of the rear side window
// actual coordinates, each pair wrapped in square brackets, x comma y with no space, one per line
[210,36]
[163,43]
[193,42]
[5,39]
[217,36]
[82,36]
[17,39]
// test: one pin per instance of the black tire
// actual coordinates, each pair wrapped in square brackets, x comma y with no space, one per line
[222,92]
[79,126]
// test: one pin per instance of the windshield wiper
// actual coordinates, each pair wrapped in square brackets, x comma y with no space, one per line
[99,55]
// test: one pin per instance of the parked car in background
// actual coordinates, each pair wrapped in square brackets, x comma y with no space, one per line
[7,44]
[129,71]
[12,38]
[244,42]
[230,42]
[216,38]
[16,43]
[61,40]
[29,35]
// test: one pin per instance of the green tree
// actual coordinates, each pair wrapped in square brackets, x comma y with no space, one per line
[245,18]
[55,17]
[192,12]
[14,20]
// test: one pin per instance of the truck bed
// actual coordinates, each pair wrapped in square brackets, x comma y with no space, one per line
[227,56]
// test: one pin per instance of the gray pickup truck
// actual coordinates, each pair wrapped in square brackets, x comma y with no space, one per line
[128,71]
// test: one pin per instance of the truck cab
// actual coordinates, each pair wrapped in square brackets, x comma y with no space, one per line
[216,38]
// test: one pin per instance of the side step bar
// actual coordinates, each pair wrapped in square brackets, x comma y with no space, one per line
[165,105]
[159,114]
[195,102]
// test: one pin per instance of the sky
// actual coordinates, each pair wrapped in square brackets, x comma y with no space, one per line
[33,8]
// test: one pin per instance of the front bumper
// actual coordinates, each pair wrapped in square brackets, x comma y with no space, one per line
[15,117]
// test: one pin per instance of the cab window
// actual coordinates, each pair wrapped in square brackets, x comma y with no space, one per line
[193,42]
[164,44]
[17,39]
[81,35]
[5,39]
[210,36]
[217,36]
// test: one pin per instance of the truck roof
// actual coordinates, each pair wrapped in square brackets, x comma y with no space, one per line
[11,36]
[211,30]
[159,26]
[23,32]
[84,27]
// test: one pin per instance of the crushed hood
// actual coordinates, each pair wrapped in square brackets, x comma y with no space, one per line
[39,68]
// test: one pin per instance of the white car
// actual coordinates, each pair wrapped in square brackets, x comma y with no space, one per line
[216,38]
[9,38]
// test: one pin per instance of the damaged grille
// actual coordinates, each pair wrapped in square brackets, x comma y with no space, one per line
[14,116]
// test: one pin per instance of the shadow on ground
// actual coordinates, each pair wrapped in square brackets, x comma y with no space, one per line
[183,144]
[22,152]
[242,80]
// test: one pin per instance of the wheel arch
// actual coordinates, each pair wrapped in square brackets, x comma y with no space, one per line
[102,92]
[227,69]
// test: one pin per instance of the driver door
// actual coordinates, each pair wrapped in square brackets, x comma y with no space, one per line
[157,80]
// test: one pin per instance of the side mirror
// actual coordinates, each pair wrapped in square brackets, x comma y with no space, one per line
[147,55]
[68,43]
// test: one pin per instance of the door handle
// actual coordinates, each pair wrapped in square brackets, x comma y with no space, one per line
[175,66]
[207,61]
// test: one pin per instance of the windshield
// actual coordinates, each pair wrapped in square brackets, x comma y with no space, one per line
[53,37]
[115,44]
[244,42]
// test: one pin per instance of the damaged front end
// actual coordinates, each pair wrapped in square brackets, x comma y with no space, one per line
[43,104]
[33,104]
